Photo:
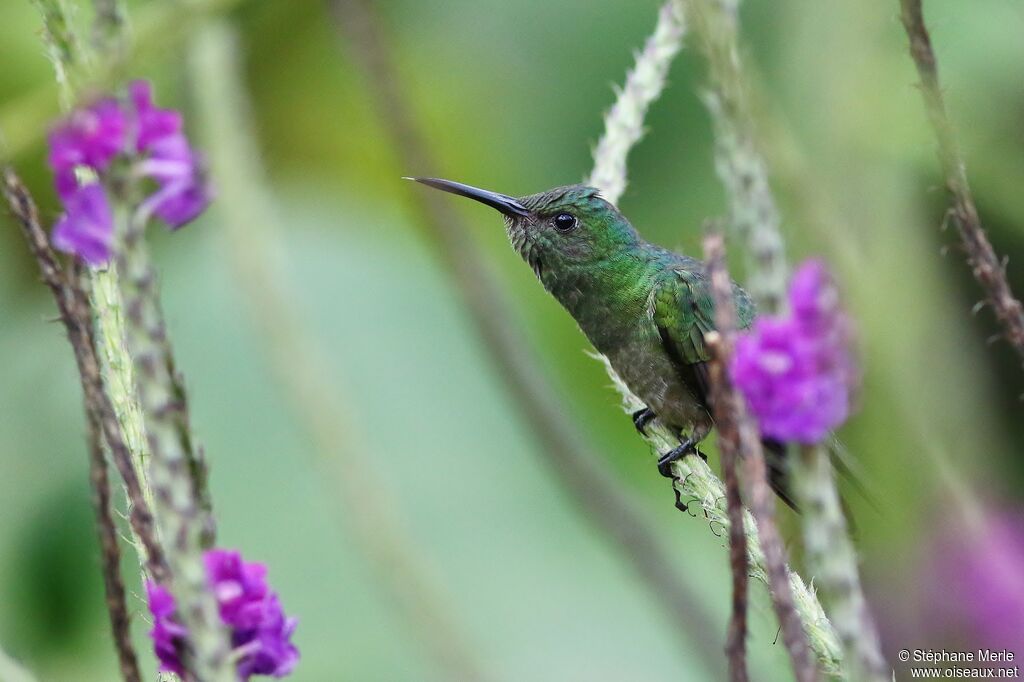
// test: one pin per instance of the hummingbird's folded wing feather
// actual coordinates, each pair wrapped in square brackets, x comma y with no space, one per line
[682,305]
[683,313]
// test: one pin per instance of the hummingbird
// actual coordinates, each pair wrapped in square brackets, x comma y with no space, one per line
[645,308]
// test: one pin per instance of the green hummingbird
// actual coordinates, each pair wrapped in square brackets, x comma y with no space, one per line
[645,308]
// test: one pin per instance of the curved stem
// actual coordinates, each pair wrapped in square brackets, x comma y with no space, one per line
[624,122]
[832,559]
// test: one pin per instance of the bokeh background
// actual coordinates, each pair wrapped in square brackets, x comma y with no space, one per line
[510,96]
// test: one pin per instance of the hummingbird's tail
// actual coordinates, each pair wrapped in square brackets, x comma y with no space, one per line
[778,471]
[779,480]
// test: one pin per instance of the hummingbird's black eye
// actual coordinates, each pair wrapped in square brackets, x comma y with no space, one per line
[564,222]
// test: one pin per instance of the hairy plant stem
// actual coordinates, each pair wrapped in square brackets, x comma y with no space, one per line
[119,381]
[562,446]
[61,46]
[185,524]
[107,530]
[109,31]
[833,561]
[158,28]
[72,303]
[253,246]
[753,215]
[988,269]
[68,53]
[624,122]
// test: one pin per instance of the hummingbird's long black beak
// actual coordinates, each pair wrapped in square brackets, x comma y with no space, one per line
[501,202]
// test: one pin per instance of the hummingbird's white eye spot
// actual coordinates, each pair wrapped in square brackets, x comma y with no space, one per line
[564,222]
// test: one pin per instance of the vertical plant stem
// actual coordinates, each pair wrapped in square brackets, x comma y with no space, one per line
[981,257]
[735,643]
[116,602]
[747,443]
[253,245]
[753,215]
[725,411]
[119,381]
[75,318]
[562,446]
[74,311]
[183,522]
[62,46]
[833,561]
[624,122]
[66,51]
[110,28]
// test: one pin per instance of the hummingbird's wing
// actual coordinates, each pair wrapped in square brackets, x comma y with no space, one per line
[684,311]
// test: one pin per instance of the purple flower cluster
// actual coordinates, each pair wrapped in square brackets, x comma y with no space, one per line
[91,139]
[796,372]
[975,581]
[260,632]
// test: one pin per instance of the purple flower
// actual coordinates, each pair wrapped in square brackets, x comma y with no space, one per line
[260,632]
[90,137]
[166,632]
[796,372]
[87,228]
[151,124]
[975,579]
[183,192]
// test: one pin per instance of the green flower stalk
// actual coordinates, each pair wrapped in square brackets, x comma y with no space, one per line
[109,28]
[753,215]
[119,381]
[833,560]
[624,122]
[180,516]
[121,145]
[66,54]
[61,44]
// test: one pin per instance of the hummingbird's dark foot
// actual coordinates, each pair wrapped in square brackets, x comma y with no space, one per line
[641,418]
[687,447]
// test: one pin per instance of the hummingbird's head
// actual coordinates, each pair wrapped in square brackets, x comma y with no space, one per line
[557,231]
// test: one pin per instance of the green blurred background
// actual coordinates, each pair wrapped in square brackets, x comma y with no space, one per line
[510,96]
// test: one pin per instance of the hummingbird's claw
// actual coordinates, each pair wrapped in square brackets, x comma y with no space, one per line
[641,418]
[687,447]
